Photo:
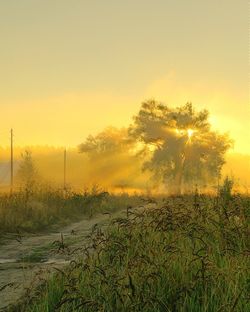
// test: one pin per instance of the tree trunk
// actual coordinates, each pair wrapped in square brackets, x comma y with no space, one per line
[177,183]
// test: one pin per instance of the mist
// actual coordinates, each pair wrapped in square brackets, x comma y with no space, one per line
[118,174]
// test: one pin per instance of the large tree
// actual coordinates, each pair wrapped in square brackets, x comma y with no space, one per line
[181,144]
[112,158]
[109,142]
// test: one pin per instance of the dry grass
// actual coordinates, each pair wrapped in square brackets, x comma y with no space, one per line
[46,207]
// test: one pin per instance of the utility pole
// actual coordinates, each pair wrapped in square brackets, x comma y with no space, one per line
[64,170]
[11,162]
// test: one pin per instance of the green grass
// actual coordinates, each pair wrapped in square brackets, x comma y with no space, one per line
[189,254]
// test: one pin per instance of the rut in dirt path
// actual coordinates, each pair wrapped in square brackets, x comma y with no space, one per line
[25,260]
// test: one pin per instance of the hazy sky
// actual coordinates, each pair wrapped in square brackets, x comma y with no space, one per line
[72,67]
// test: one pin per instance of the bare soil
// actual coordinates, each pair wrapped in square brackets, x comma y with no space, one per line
[26,260]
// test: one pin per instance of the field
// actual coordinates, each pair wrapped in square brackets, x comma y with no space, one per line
[47,207]
[177,253]
[124,156]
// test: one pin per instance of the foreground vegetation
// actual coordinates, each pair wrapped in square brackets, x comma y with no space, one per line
[47,207]
[188,253]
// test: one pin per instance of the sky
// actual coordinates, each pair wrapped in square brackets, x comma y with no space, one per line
[69,68]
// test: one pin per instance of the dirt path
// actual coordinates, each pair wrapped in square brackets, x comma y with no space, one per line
[25,260]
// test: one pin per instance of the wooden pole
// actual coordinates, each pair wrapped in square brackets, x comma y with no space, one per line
[64,169]
[11,162]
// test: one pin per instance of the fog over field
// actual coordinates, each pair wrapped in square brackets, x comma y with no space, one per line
[112,174]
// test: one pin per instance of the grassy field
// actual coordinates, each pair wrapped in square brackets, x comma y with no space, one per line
[47,207]
[187,253]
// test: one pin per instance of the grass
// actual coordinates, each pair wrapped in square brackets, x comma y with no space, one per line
[46,207]
[190,253]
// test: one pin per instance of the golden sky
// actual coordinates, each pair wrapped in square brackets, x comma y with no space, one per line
[70,68]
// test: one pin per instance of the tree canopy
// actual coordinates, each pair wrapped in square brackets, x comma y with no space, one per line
[176,145]
[184,149]
[109,141]
[111,158]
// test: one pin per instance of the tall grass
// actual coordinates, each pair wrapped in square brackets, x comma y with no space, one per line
[188,254]
[45,207]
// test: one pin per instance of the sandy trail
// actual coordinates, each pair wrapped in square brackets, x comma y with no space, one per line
[25,260]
